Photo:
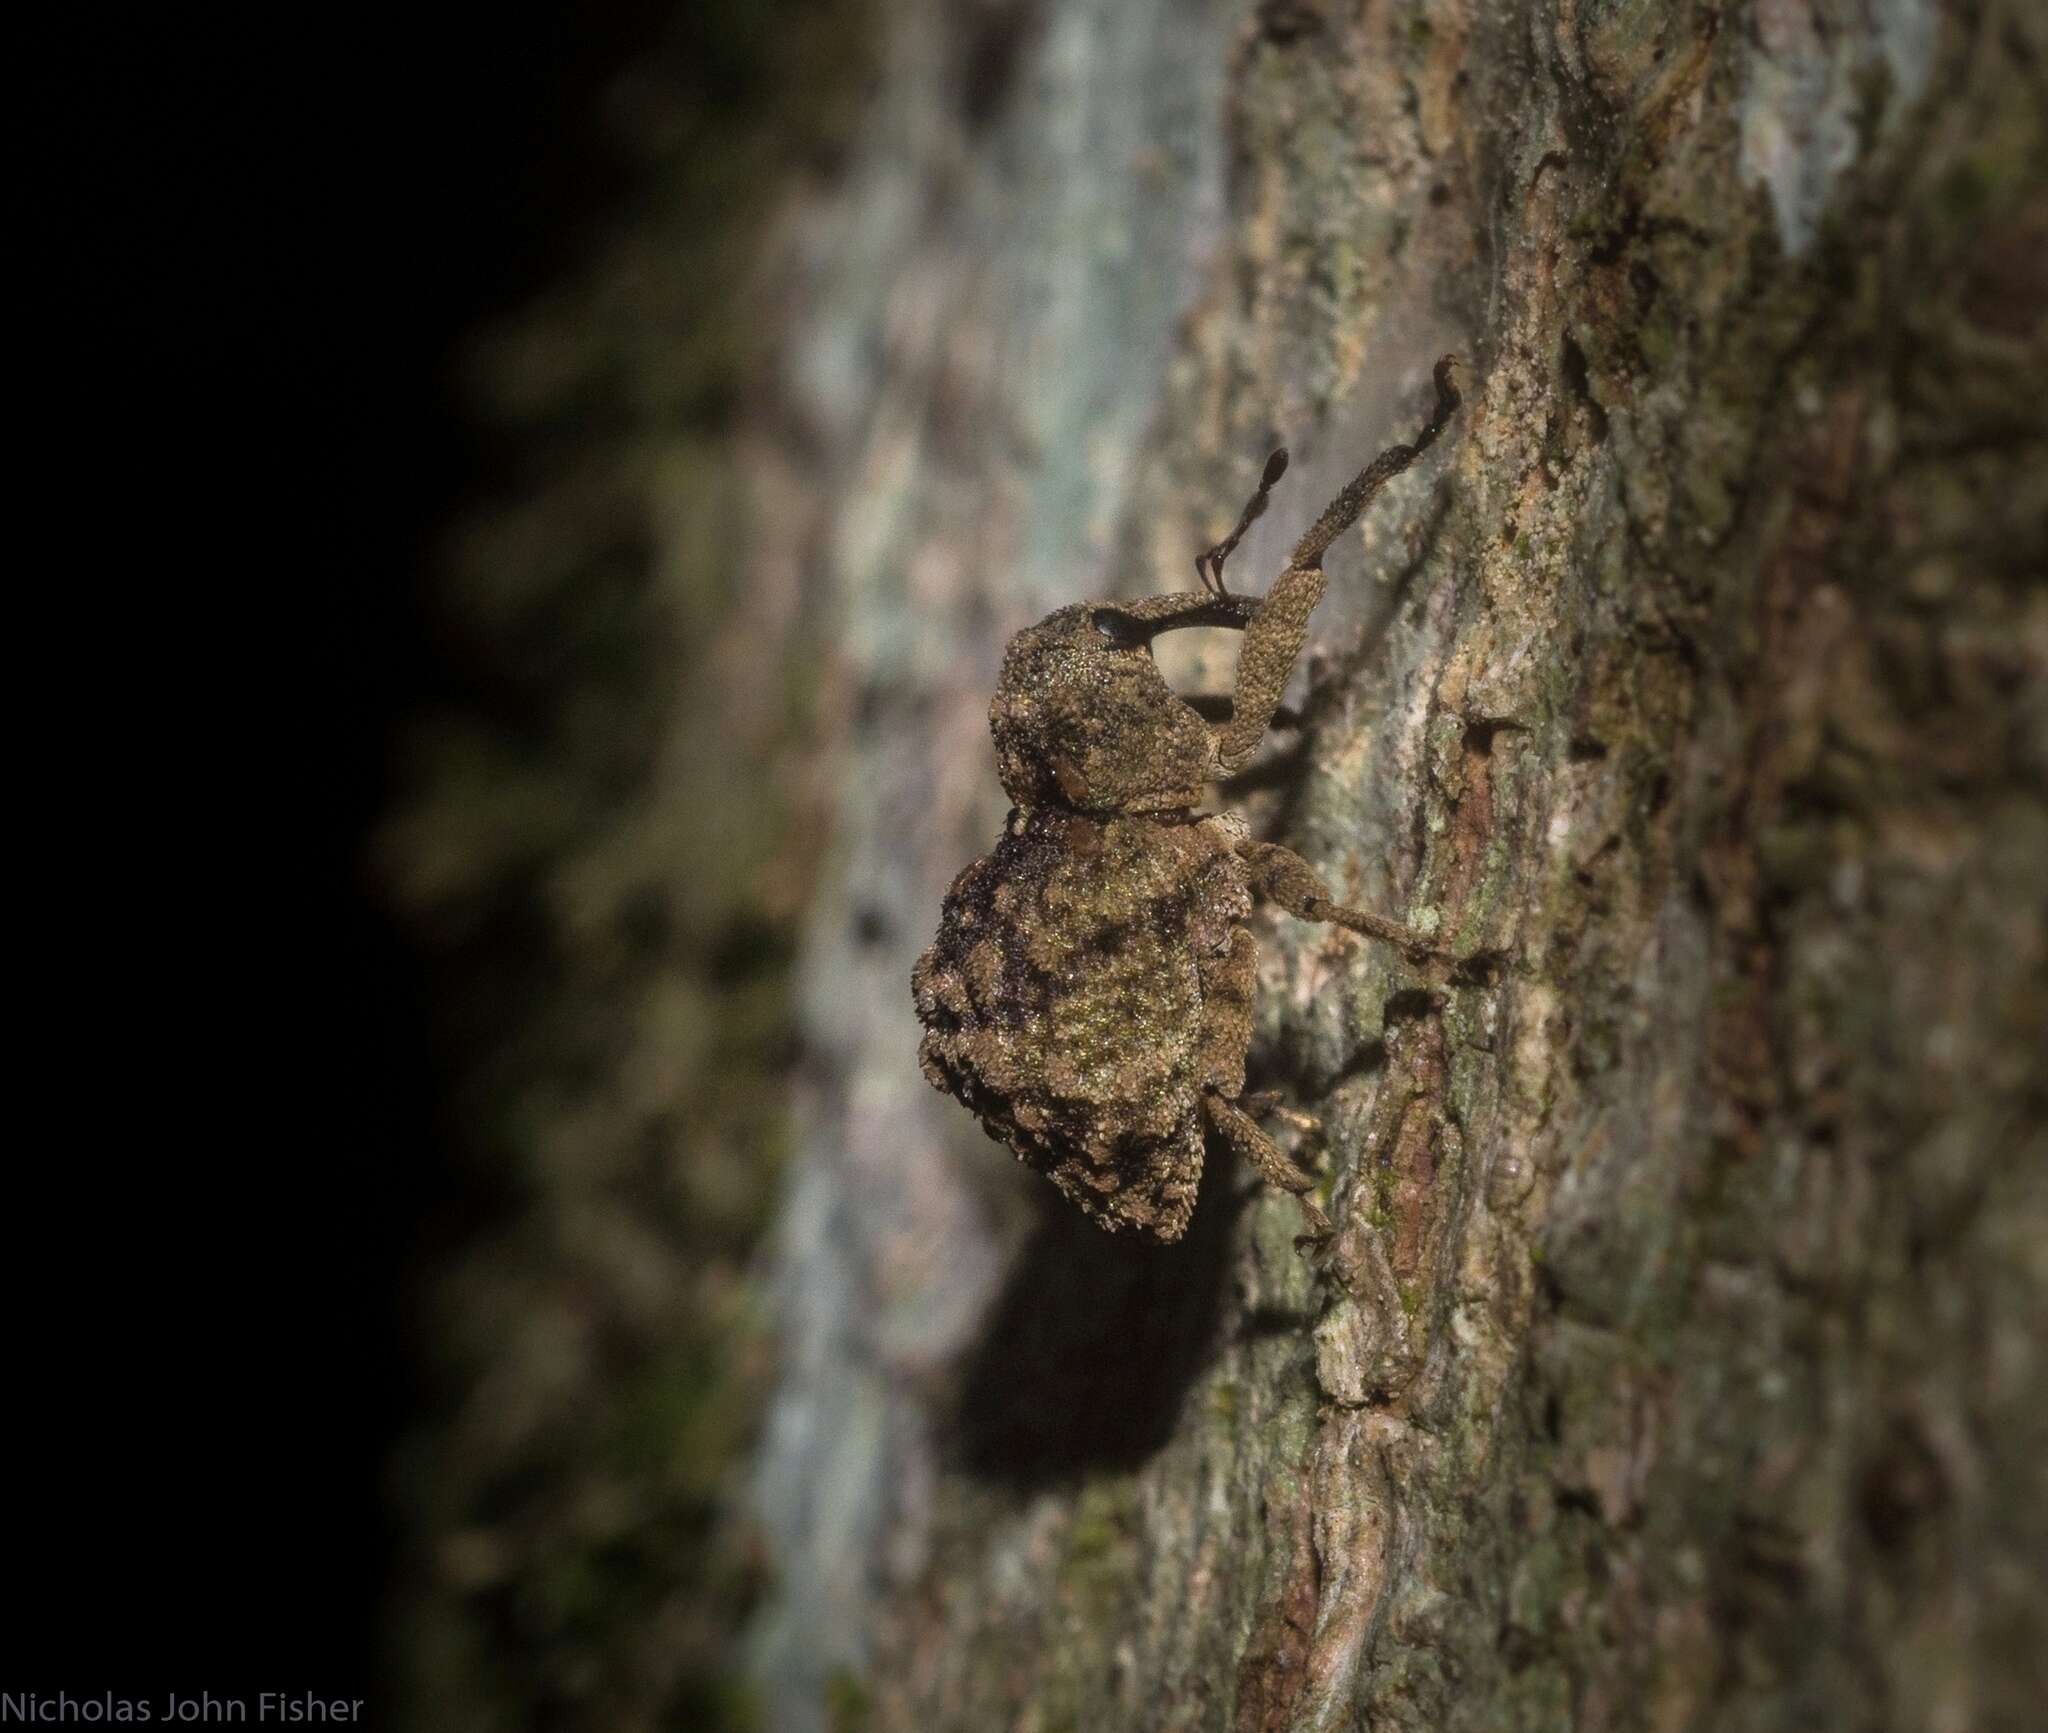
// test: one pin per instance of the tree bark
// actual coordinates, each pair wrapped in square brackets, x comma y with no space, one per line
[1688,1372]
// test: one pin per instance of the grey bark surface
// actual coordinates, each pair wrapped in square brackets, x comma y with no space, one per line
[1690,1371]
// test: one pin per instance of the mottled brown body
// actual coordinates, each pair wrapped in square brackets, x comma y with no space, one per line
[1089,994]
[1089,983]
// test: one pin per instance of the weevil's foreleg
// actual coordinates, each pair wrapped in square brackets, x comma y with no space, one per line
[1274,1168]
[1281,874]
[1272,640]
[1209,566]
[1279,626]
[1346,509]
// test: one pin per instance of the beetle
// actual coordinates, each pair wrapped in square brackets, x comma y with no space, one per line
[1089,993]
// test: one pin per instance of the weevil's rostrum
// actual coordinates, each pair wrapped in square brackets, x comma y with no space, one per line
[1089,994]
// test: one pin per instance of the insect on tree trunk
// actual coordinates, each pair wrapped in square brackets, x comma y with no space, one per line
[1689,1373]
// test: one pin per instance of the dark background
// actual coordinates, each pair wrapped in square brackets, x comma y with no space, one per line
[259,255]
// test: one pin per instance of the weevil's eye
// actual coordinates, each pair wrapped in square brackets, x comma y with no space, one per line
[1121,630]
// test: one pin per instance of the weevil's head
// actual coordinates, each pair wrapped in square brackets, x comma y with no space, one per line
[1083,719]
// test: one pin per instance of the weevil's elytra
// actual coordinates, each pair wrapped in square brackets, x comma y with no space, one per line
[1089,994]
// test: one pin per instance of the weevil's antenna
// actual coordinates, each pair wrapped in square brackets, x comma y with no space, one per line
[1209,566]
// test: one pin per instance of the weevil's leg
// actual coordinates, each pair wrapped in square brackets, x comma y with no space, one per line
[1274,1167]
[1270,1104]
[1209,566]
[1272,640]
[1229,981]
[1276,631]
[1346,509]
[1281,874]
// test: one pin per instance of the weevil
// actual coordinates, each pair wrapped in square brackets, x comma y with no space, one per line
[1089,994]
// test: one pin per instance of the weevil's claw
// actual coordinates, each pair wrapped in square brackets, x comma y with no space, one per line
[1315,1242]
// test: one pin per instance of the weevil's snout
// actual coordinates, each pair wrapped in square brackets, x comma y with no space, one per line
[1083,719]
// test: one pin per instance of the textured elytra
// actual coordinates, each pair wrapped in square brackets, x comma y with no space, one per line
[1089,993]
[1088,983]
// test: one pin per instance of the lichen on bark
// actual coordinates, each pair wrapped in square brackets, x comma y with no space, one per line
[1687,1373]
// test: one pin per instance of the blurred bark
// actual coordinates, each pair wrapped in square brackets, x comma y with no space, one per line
[610,906]
[1693,1374]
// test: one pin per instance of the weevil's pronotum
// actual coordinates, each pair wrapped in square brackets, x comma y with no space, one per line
[1089,994]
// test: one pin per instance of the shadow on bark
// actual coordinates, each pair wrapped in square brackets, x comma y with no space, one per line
[1094,1342]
